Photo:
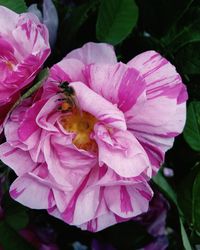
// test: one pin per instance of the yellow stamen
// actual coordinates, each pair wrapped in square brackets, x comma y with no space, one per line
[9,64]
[82,124]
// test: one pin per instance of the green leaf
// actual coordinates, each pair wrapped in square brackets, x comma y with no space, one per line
[189,199]
[196,203]
[18,6]
[116,19]
[186,242]
[17,220]
[188,59]
[162,183]
[185,194]
[15,214]
[192,128]
[164,186]
[43,75]
[155,16]
[11,240]
[72,24]
[185,32]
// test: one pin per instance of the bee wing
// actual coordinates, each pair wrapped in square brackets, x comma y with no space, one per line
[77,104]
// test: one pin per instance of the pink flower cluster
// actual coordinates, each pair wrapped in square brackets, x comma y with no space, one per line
[90,166]
[24,46]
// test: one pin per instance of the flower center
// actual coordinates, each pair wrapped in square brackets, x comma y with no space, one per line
[8,63]
[82,124]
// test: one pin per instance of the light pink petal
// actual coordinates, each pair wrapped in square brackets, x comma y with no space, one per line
[68,178]
[31,35]
[26,71]
[48,115]
[54,165]
[62,199]
[128,201]
[50,19]
[121,152]
[86,206]
[70,70]
[17,159]
[28,186]
[165,91]
[35,145]
[117,83]
[163,115]
[68,214]
[73,165]
[94,53]
[99,107]
[28,126]
[4,111]
[162,137]
[99,223]
[72,158]
[105,176]
[8,20]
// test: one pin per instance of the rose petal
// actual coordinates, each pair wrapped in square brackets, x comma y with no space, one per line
[27,186]
[122,152]
[94,53]
[128,201]
[11,155]
[99,107]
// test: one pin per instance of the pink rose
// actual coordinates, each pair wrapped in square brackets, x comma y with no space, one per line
[91,167]
[24,47]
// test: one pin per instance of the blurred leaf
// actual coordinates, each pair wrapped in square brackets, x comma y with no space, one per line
[116,19]
[15,214]
[11,240]
[185,194]
[164,186]
[162,183]
[196,203]
[17,220]
[5,172]
[195,238]
[192,128]
[188,59]
[18,6]
[188,198]
[119,235]
[185,32]
[186,242]
[154,14]
[73,23]
[43,75]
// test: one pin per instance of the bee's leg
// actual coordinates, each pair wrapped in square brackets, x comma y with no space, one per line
[64,111]
[60,92]
[61,99]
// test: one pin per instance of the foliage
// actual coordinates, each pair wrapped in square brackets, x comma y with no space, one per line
[170,27]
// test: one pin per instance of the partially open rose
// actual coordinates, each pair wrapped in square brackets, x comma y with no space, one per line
[24,47]
[88,160]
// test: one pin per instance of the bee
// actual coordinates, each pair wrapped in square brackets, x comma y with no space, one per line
[69,100]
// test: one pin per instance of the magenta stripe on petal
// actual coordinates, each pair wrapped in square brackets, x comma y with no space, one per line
[125,200]
[15,194]
[144,194]
[10,152]
[92,225]
[67,215]
[131,87]
[50,199]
